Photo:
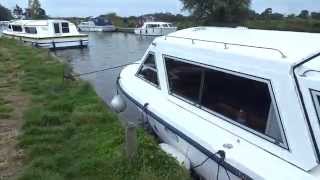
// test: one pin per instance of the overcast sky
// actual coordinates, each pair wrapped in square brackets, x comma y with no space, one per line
[139,7]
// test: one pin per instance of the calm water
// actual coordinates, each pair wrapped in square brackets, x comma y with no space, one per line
[106,50]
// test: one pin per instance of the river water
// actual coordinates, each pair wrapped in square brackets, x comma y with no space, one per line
[107,50]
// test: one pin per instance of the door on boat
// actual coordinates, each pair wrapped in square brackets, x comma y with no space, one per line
[309,88]
[57,28]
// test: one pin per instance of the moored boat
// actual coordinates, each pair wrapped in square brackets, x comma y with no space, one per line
[47,33]
[238,103]
[97,25]
[155,29]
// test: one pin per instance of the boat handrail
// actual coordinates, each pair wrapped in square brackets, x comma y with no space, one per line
[231,44]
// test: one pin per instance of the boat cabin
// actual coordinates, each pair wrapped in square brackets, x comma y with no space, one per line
[46,33]
[157,25]
[253,94]
[155,29]
[42,27]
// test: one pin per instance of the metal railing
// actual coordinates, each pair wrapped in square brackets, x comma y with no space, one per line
[226,44]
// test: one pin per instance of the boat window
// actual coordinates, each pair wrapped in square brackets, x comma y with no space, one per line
[30,30]
[56,28]
[148,70]
[153,25]
[316,100]
[243,101]
[65,27]
[184,79]
[9,27]
[16,28]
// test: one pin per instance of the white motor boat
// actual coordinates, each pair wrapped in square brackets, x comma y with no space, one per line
[238,103]
[155,29]
[47,33]
[97,25]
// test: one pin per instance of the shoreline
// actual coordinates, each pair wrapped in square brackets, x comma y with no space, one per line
[67,132]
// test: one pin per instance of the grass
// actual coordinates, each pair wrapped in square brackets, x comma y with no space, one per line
[68,132]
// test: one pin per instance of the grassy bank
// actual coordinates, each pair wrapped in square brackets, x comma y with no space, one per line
[67,131]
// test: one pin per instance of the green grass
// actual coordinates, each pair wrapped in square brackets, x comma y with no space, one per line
[68,132]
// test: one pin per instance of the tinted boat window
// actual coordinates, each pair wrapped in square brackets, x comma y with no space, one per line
[30,30]
[56,27]
[65,27]
[184,79]
[148,71]
[240,100]
[316,101]
[16,28]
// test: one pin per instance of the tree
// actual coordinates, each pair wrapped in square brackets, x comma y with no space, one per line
[211,11]
[315,15]
[18,12]
[35,10]
[5,13]
[304,14]
[276,16]
[291,16]
[266,14]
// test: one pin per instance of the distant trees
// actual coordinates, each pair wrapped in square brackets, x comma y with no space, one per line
[211,11]
[304,14]
[5,14]
[18,12]
[315,15]
[35,11]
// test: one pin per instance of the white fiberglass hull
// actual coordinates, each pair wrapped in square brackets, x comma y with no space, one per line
[97,28]
[53,42]
[208,171]
[198,139]
[154,31]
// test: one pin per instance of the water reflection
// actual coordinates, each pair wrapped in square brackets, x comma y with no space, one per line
[106,50]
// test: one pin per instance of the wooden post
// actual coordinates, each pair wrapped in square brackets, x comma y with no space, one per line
[131,144]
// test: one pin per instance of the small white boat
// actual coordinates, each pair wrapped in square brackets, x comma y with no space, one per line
[238,103]
[155,29]
[97,25]
[4,23]
[46,33]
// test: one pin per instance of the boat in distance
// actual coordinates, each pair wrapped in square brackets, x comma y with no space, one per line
[155,29]
[237,103]
[97,25]
[50,34]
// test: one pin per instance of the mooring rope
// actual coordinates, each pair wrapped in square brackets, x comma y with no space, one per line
[105,69]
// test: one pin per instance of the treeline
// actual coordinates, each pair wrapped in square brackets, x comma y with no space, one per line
[5,13]
[304,22]
[33,12]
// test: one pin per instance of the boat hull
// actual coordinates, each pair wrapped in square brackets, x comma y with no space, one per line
[191,149]
[154,31]
[53,42]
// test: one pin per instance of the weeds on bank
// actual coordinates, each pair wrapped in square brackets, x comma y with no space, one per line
[68,132]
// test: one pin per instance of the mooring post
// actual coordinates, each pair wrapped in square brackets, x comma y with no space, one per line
[81,43]
[131,144]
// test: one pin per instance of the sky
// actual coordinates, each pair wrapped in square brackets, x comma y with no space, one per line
[84,8]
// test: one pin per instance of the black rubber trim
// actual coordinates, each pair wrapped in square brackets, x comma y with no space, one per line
[205,151]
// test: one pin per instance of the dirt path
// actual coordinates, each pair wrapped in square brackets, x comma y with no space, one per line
[12,105]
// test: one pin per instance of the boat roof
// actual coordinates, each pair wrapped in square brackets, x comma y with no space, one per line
[36,22]
[291,47]
[157,22]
